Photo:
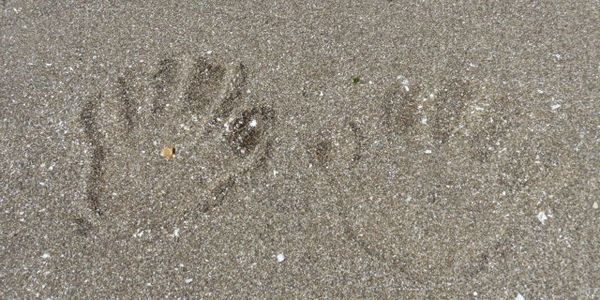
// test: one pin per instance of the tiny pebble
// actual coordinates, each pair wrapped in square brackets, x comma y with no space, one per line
[280,257]
[167,153]
[519,297]
[542,217]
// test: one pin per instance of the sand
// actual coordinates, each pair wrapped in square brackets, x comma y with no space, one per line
[299,149]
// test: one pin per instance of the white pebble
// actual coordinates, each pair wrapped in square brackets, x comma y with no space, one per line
[428,151]
[519,297]
[555,106]
[189,280]
[542,217]
[280,257]
[595,205]
[253,123]
[46,255]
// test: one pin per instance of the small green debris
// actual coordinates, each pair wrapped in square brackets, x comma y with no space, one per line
[355,80]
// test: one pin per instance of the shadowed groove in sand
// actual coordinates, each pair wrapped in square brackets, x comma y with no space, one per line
[163,82]
[83,227]
[450,104]
[360,138]
[218,194]
[246,130]
[96,176]
[206,80]
[234,95]
[244,140]
[400,112]
[127,106]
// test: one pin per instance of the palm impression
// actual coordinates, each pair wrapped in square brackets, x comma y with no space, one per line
[171,138]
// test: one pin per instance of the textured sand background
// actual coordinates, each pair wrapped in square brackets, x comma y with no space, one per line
[323,149]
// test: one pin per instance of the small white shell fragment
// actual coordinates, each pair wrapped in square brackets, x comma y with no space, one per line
[280,257]
[542,217]
[519,297]
[595,205]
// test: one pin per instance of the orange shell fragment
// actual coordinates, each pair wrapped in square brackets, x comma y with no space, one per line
[168,152]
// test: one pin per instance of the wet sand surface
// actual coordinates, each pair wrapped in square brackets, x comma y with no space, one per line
[299,149]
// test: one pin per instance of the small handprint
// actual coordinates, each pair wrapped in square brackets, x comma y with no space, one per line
[192,105]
